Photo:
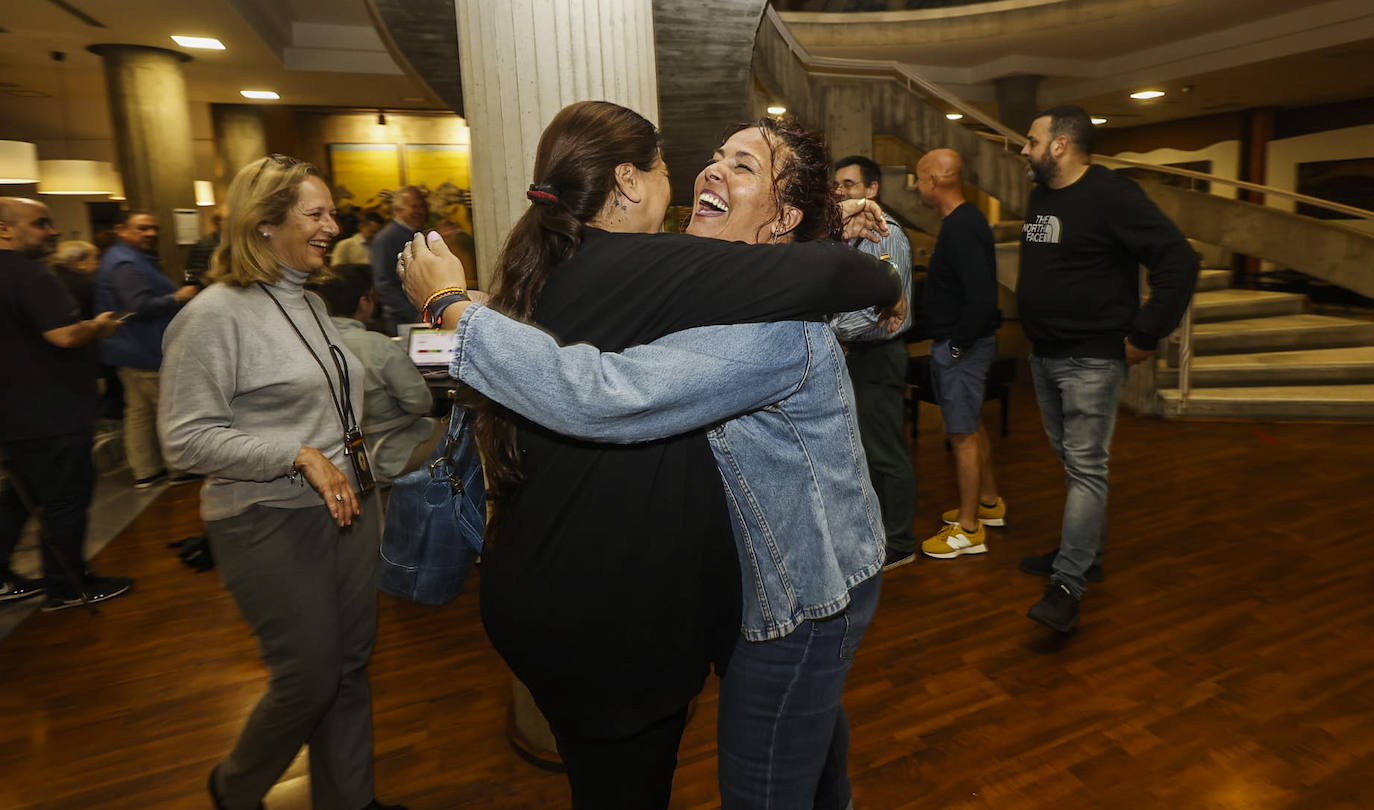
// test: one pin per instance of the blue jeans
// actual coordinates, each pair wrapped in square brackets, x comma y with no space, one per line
[782,732]
[1078,397]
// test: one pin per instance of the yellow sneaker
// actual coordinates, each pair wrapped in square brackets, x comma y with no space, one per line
[953,540]
[995,515]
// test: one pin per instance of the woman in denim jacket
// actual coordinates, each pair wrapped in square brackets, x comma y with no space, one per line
[778,403]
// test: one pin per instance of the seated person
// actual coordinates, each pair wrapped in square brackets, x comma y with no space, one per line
[395,397]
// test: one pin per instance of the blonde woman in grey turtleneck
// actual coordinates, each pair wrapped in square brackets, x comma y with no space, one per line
[257,394]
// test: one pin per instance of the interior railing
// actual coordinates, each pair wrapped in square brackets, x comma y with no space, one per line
[1010,139]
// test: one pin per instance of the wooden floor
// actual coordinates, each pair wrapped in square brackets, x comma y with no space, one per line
[1226,662]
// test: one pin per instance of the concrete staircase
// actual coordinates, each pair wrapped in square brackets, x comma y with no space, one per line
[1261,355]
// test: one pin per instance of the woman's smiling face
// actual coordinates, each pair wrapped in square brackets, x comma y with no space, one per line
[302,239]
[735,193]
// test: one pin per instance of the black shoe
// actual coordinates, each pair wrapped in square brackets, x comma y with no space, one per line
[214,794]
[151,481]
[1057,609]
[98,589]
[376,805]
[1042,565]
[14,587]
[896,559]
[184,478]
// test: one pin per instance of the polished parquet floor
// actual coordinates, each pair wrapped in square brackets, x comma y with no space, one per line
[1227,662]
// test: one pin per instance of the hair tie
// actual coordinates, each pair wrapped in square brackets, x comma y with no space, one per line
[542,194]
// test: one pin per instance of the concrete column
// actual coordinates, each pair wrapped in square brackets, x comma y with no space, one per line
[152,127]
[524,60]
[1016,104]
[848,120]
[240,139]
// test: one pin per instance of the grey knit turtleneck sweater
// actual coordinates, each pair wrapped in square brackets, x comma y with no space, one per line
[240,395]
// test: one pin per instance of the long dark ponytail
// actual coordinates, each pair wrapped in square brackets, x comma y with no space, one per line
[575,170]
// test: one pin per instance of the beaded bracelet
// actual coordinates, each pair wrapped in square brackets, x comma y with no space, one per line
[434,312]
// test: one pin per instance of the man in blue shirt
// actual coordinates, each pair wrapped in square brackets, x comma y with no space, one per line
[410,211]
[877,361]
[131,281]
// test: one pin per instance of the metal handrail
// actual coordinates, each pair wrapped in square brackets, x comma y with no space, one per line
[1010,136]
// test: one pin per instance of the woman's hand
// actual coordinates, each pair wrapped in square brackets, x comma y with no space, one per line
[427,265]
[863,218]
[331,483]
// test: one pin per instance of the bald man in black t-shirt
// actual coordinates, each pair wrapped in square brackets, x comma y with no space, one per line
[47,413]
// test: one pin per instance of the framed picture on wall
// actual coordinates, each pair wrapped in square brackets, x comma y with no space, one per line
[364,173]
[433,164]
[1349,181]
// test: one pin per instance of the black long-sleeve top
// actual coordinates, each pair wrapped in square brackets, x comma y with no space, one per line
[613,583]
[1081,247]
[960,298]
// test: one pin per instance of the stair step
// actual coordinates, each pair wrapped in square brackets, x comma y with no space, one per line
[1231,305]
[1348,366]
[1289,402]
[1214,278]
[1281,333]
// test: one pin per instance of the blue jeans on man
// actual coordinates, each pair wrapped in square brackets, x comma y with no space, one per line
[782,732]
[1078,398]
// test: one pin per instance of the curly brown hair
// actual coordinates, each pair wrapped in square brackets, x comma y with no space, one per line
[801,176]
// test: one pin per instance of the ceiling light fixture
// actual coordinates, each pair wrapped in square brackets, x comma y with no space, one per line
[1147,94]
[71,176]
[260,94]
[954,116]
[202,43]
[776,109]
[18,162]
[1097,122]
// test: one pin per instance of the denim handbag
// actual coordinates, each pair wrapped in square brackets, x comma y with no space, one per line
[435,520]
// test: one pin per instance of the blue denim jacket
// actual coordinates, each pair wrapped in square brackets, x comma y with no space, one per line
[780,404]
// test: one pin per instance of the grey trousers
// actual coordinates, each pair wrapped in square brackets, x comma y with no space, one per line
[308,590]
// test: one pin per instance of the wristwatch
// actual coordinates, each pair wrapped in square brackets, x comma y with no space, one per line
[955,352]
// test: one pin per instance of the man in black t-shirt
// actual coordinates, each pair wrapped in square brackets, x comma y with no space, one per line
[1087,231]
[47,413]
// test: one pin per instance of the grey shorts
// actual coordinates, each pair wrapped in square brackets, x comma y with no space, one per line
[959,386]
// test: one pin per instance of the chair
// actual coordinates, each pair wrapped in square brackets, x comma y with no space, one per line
[1000,375]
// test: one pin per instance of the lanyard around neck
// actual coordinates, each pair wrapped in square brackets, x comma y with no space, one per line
[343,405]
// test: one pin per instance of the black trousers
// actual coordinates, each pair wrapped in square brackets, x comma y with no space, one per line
[878,371]
[58,476]
[628,773]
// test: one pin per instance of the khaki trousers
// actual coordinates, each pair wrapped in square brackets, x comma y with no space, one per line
[140,422]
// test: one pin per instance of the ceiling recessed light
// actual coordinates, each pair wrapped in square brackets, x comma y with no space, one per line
[203,43]
[1147,94]
[776,109]
[954,116]
[263,94]
[1097,122]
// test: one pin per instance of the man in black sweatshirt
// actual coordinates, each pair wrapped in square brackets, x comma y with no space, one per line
[1087,231]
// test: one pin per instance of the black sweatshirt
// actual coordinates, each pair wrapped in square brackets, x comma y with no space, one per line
[1081,247]
[960,297]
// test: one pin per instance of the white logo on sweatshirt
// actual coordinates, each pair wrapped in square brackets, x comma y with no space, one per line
[1045,229]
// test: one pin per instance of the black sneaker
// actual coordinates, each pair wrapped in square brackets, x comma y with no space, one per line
[896,559]
[14,587]
[151,481]
[185,478]
[97,588]
[1042,565]
[1057,609]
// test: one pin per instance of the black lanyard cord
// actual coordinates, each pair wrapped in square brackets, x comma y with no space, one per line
[343,406]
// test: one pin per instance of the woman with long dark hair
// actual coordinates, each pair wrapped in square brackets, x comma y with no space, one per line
[804,513]
[610,583]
